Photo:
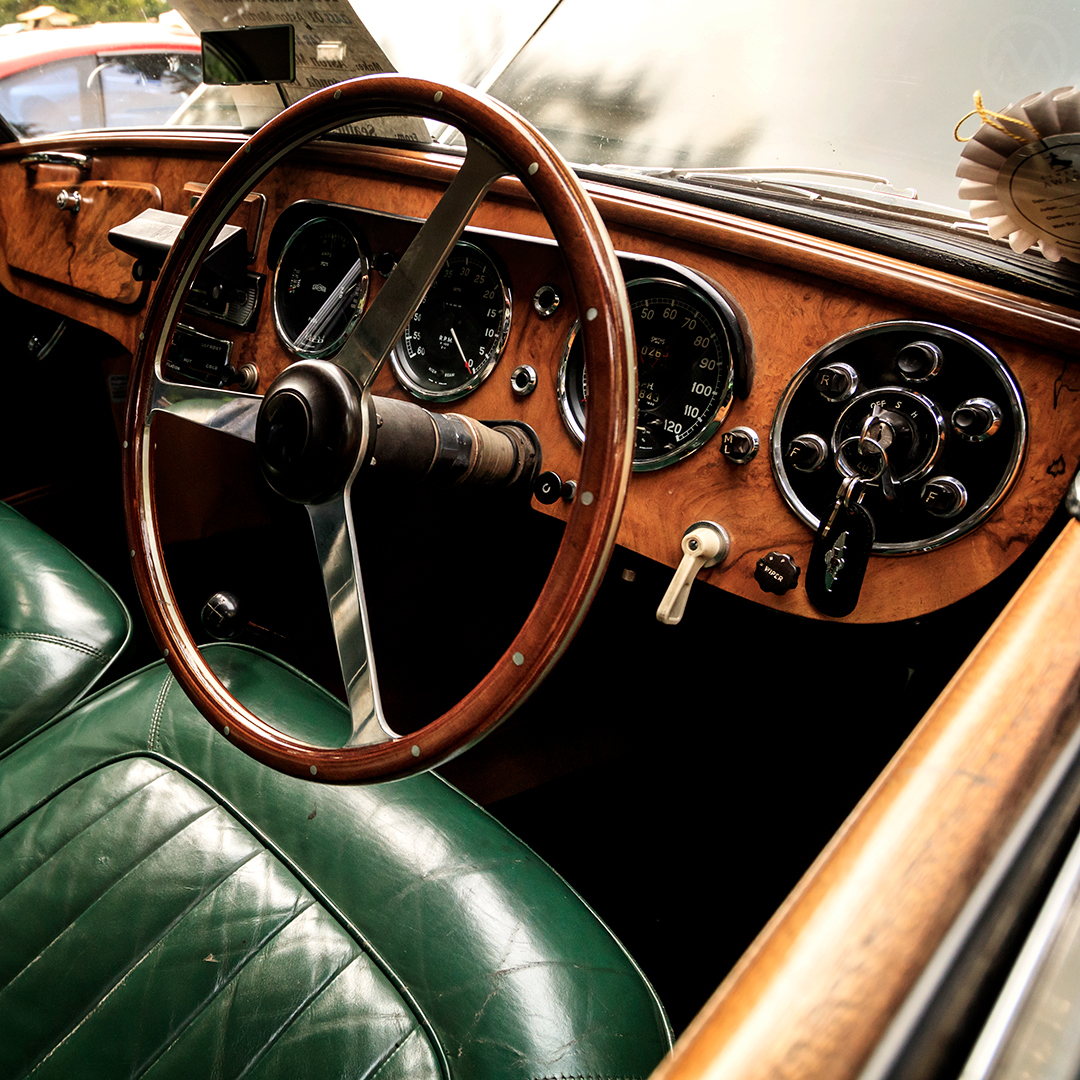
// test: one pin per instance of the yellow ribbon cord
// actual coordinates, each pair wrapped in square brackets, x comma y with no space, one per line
[997,121]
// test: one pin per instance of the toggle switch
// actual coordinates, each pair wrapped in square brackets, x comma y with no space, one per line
[704,544]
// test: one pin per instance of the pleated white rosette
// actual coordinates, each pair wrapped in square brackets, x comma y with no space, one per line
[1021,173]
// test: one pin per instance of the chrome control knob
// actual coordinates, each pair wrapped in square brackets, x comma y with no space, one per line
[740,445]
[976,419]
[836,382]
[919,361]
[943,496]
[807,453]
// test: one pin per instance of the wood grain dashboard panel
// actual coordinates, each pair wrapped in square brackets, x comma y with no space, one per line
[796,293]
[72,247]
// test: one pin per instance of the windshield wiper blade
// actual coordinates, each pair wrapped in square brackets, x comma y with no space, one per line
[881,194]
[665,171]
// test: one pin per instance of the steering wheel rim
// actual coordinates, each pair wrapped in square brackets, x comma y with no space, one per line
[582,557]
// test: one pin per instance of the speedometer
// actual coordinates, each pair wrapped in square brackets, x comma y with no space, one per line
[685,371]
[320,285]
[458,333]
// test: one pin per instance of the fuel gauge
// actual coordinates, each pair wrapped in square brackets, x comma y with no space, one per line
[320,286]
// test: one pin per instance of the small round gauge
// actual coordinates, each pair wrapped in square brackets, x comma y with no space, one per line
[320,286]
[685,371]
[458,333]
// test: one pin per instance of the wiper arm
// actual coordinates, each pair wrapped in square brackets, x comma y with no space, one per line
[752,171]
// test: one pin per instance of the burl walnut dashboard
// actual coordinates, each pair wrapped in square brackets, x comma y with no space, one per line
[787,384]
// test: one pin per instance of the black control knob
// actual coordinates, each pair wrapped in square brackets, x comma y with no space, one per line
[837,382]
[976,419]
[943,496]
[384,263]
[807,453]
[919,361]
[549,488]
[777,573]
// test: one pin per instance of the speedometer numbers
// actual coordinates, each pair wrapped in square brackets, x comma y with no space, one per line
[685,370]
[458,333]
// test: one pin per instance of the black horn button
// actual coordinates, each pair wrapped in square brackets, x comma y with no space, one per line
[284,430]
[309,432]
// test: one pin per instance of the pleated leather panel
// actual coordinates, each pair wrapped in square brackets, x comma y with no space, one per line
[145,931]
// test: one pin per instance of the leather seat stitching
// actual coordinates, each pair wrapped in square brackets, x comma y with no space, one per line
[159,709]
[324,901]
[131,793]
[53,639]
[131,869]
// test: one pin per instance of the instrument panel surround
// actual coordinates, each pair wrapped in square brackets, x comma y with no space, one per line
[797,293]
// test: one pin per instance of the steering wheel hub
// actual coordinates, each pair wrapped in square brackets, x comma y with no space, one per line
[310,432]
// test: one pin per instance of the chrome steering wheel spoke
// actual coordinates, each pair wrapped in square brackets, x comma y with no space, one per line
[396,302]
[226,411]
[335,540]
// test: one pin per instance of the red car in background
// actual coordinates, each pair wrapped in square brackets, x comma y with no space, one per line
[103,76]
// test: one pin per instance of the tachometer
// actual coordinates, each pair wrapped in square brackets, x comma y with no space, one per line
[458,333]
[320,286]
[685,371]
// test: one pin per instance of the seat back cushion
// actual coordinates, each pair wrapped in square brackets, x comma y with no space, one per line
[61,626]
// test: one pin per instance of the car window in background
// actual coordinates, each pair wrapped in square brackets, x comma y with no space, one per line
[145,89]
[452,41]
[105,75]
[51,97]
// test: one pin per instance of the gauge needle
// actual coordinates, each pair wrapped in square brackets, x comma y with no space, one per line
[468,366]
[321,319]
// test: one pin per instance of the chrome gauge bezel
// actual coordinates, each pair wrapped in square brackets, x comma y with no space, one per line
[402,363]
[725,322]
[972,516]
[328,348]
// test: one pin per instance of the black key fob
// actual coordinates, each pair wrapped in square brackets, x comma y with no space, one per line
[838,559]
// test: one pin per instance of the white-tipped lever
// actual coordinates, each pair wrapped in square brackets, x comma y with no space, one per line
[704,544]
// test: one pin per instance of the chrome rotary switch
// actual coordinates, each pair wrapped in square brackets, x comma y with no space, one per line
[807,453]
[934,433]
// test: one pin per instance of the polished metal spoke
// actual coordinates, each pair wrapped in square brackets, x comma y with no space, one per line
[335,539]
[396,302]
[220,410]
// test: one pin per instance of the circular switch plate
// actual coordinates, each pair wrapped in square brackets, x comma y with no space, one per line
[906,408]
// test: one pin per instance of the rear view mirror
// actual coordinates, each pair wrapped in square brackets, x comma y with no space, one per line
[249,54]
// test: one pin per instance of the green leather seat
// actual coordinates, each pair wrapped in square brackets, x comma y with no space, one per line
[169,907]
[61,626]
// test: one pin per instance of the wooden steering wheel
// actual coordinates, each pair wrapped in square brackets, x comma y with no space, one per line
[335,399]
